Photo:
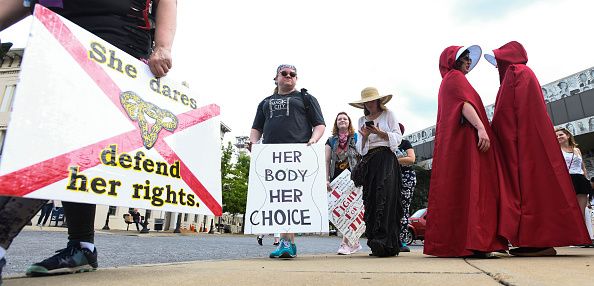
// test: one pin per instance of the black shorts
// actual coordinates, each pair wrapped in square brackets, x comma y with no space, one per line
[581,185]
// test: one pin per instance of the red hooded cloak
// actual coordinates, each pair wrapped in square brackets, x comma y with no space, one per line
[463,194]
[539,208]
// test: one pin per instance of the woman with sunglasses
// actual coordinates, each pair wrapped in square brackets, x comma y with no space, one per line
[463,195]
[341,154]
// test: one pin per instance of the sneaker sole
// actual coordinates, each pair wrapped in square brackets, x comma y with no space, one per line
[286,254]
[35,271]
[545,252]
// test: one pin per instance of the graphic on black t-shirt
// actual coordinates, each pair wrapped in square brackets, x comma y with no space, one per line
[279,107]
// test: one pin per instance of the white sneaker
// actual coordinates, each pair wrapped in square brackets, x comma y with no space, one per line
[355,248]
[344,250]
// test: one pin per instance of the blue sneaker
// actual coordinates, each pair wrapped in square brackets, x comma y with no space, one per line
[71,259]
[285,249]
[2,263]
[278,251]
[288,250]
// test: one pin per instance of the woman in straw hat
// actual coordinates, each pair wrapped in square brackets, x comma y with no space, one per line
[379,172]
[463,194]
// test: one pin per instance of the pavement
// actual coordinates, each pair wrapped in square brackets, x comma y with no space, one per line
[572,266]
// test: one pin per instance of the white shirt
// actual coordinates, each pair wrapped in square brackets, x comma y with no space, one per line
[386,122]
[573,161]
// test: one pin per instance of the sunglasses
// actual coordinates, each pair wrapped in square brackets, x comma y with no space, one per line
[285,73]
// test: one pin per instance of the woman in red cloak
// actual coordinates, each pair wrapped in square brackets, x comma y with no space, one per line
[463,195]
[539,210]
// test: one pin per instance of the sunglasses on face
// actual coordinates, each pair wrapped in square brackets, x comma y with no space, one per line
[285,73]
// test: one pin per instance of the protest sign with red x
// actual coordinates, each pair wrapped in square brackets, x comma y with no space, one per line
[60,176]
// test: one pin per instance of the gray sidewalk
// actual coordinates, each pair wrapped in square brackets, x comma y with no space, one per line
[572,266]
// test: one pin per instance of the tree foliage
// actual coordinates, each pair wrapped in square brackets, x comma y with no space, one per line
[234,177]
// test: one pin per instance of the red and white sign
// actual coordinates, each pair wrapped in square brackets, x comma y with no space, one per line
[91,124]
[345,207]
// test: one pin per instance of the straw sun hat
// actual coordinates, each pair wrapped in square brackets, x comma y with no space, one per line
[370,94]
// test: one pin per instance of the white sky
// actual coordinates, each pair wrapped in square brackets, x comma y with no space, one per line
[230,49]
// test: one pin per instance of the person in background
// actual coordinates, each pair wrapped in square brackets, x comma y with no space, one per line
[379,172]
[46,211]
[136,218]
[463,194]
[287,116]
[276,242]
[406,158]
[129,27]
[575,165]
[341,154]
[537,187]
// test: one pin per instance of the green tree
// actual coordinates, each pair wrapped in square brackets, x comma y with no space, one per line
[237,197]
[234,180]
[226,164]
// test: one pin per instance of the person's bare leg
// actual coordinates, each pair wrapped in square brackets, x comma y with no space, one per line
[583,202]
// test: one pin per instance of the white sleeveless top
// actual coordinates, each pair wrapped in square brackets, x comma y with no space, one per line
[573,161]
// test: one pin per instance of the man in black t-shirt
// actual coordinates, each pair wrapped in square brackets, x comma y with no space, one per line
[287,116]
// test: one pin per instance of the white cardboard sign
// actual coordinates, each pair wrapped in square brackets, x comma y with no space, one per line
[345,207]
[287,189]
[91,124]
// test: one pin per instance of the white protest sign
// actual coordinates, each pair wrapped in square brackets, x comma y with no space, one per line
[287,189]
[345,207]
[91,124]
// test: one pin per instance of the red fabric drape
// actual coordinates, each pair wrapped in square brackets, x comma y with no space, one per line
[539,207]
[463,196]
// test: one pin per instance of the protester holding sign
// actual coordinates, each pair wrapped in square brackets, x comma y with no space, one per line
[341,154]
[379,172]
[130,28]
[287,116]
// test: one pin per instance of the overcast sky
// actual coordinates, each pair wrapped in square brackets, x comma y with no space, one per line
[230,49]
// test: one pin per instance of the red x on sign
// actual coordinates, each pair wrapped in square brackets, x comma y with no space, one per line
[44,173]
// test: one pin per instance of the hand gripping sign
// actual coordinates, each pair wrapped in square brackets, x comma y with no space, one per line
[91,124]
[287,189]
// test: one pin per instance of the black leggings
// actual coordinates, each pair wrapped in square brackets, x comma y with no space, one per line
[81,221]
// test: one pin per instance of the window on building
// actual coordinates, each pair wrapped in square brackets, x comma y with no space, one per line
[196,218]
[112,210]
[185,217]
[2,134]
[7,97]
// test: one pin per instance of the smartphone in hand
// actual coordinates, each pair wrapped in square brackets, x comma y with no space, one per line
[369,123]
